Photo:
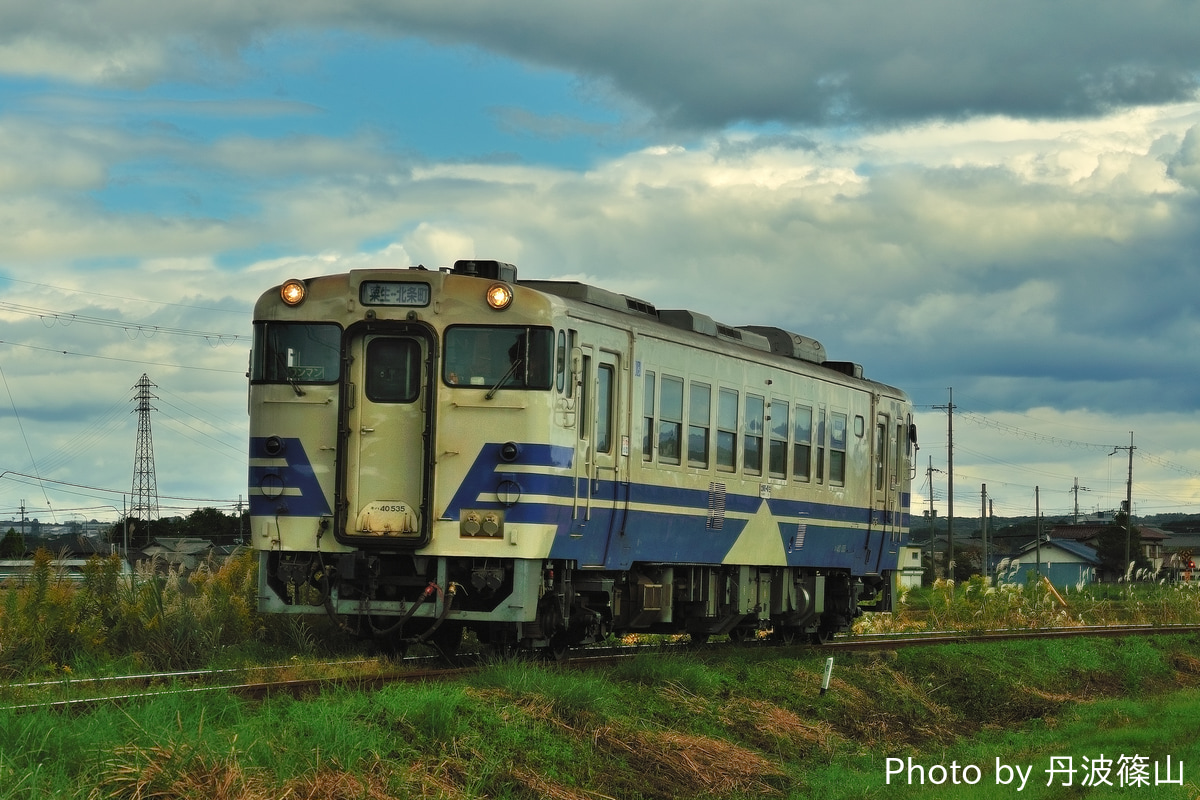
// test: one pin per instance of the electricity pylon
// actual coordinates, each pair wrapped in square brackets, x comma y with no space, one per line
[145,488]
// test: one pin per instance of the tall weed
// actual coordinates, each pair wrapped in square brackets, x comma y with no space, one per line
[164,618]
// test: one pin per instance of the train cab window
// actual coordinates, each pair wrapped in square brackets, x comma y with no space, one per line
[752,438]
[498,356]
[296,352]
[727,420]
[670,420]
[699,424]
[837,449]
[648,418]
[393,370]
[802,443]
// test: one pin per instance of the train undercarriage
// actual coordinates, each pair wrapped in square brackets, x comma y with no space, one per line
[552,606]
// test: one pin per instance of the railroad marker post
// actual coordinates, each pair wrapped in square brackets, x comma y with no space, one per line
[828,674]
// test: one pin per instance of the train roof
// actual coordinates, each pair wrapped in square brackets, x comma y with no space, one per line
[757,337]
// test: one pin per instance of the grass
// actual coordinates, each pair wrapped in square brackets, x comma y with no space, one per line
[730,725]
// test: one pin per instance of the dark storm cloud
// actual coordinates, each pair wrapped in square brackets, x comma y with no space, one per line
[701,64]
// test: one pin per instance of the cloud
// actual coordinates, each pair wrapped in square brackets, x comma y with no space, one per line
[765,60]
[1015,214]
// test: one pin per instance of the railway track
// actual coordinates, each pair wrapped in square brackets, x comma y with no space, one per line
[258,683]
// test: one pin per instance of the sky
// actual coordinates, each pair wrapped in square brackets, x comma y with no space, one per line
[990,205]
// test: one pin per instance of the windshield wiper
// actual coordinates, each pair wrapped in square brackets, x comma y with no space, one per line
[511,369]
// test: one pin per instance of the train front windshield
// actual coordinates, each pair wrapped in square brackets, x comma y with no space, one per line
[296,352]
[498,355]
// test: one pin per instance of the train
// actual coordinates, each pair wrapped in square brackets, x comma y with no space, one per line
[547,464]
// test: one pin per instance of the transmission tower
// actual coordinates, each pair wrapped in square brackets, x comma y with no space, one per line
[145,489]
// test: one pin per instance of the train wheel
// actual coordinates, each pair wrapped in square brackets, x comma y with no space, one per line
[697,639]
[787,634]
[559,649]
[741,635]
[822,636]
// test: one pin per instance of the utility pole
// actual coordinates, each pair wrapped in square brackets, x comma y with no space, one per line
[1037,514]
[1076,489]
[932,514]
[991,510]
[1128,500]
[949,484]
[984,528]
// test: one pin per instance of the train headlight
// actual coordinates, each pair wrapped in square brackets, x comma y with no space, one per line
[499,296]
[292,292]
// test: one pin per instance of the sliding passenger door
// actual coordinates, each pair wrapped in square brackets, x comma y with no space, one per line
[603,445]
[883,511]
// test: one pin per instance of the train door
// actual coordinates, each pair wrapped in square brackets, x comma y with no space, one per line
[882,483]
[603,443]
[386,472]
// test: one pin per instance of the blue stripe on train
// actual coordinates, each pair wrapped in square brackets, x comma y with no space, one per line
[291,489]
[596,533]
[599,534]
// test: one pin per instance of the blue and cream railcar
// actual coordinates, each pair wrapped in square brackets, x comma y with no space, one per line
[548,462]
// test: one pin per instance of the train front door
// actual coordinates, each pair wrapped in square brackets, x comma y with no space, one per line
[386,471]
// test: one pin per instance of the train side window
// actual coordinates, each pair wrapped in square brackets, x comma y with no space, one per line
[648,418]
[777,457]
[901,467]
[560,363]
[393,370]
[837,449]
[820,436]
[753,436]
[699,424]
[604,408]
[670,420]
[802,443]
[727,420]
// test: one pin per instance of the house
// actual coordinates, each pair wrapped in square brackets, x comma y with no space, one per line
[1153,540]
[911,568]
[184,553]
[1066,563]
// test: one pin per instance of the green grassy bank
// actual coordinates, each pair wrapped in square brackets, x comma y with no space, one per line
[728,724]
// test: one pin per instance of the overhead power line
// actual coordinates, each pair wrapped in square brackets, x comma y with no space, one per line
[1058,441]
[133,330]
[124,360]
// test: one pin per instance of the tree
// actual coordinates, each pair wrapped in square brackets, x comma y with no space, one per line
[12,545]
[1110,548]
[211,524]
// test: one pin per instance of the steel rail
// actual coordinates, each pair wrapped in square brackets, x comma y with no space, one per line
[587,658]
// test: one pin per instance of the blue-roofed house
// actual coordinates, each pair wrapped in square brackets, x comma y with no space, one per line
[1066,563]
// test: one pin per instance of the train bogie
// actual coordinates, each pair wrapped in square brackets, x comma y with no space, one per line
[548,463]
